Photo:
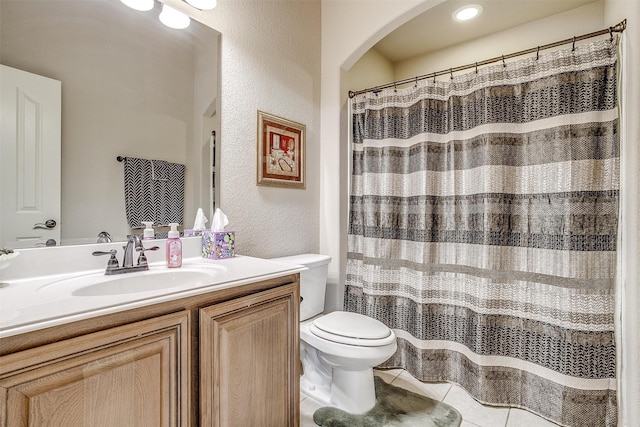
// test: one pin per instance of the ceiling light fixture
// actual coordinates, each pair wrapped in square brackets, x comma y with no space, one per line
[173,18]
[169,16]
[203,4]
[142,5]
[467,12]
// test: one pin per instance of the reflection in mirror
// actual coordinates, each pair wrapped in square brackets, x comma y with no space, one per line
[130,87]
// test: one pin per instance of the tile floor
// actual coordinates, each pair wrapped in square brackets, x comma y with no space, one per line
[473,413]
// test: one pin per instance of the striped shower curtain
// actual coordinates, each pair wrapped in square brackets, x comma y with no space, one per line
[483,220]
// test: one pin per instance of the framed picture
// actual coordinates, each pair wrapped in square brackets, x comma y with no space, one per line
[281,152]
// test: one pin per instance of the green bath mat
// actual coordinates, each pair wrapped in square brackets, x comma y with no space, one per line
[394,407]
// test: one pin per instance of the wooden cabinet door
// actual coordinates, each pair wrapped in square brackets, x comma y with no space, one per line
[132,375]
[249,353]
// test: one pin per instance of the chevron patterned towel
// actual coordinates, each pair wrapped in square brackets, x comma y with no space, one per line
[153,191]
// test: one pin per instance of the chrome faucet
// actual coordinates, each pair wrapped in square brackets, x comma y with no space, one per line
[134,244]
[104,237]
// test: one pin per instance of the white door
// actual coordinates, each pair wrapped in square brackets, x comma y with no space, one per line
[30,116]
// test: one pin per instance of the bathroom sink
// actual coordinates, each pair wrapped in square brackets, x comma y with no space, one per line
[100,285]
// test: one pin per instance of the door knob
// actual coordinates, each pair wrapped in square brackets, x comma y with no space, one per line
[48,224]
[49,242]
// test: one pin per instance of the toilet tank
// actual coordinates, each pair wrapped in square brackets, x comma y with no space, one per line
[313,282]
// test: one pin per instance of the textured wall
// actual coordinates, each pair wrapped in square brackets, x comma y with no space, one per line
[270,61]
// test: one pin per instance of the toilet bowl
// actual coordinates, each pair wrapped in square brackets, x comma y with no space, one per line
[338,364]
[338,350]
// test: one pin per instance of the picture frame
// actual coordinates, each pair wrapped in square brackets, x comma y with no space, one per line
[281,152]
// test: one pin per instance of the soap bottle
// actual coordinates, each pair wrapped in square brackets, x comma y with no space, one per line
[174,247]
[149,232]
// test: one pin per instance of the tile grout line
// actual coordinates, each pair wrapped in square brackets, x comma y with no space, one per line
[447,393]
[506,423]
[396,377]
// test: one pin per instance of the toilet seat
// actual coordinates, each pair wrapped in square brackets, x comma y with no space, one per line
[352,329]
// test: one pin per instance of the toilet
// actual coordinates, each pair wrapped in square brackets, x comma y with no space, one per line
[338,350]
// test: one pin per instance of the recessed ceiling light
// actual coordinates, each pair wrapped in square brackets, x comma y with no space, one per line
[467,12]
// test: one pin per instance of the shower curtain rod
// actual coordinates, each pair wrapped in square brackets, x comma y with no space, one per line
[618,28]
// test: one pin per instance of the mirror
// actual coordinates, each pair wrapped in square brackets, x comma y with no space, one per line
[130,87]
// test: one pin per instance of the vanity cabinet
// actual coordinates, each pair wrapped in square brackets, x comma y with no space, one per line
[130,375]
[225,358]
[248,355]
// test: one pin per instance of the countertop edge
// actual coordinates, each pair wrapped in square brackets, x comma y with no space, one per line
[153,299]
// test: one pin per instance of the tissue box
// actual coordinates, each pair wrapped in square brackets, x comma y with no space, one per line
[190,232]
[218,244]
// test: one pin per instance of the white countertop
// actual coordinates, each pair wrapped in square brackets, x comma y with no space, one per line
[29,304]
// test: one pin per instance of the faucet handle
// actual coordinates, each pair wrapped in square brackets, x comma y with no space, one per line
[113,261]
[142,259]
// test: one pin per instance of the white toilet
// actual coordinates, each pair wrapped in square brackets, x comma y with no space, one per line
[338,350]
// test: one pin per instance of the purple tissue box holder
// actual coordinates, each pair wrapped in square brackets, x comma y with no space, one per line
[218,244]
[190,232]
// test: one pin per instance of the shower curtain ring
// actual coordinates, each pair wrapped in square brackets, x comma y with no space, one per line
[573,48]
[610,34]
[451,73]
[434,77]
[416,84]
[504,64]
[538,53]
[476,68]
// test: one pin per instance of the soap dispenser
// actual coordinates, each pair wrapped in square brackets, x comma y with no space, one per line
[174,247]
[149,232]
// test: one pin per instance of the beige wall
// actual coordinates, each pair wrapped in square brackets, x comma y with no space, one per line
[371,70]
[270,61]
[578,21]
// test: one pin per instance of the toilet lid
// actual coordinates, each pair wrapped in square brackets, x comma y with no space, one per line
[353,329]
